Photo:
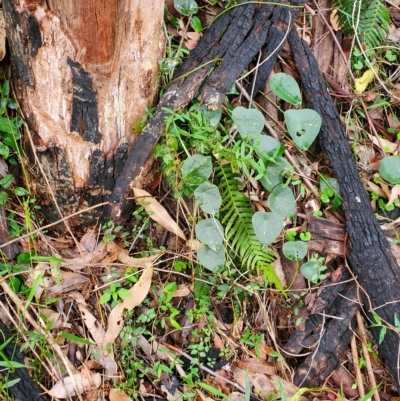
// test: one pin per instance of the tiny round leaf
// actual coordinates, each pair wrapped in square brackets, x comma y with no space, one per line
[390,169]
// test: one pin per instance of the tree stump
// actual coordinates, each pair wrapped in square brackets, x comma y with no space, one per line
[84,73]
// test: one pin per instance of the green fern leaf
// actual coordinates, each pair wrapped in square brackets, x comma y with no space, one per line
[371,17]
[236,217]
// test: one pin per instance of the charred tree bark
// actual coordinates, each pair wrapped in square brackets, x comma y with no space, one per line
[84,73]
[369,254]
[232,41]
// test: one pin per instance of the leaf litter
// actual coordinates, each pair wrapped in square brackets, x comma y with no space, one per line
[178,346]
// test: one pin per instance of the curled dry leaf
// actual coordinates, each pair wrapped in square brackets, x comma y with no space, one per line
[394,194]
[123,257]
[98,333]
[137,294]
[105,253]
[116,395]
[157,212]
[390,146]
[70,281]
[65,388]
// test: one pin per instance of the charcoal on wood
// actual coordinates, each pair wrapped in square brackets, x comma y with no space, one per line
[84,74]
[368,252]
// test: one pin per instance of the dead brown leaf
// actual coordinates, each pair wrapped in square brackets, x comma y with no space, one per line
[157,212]
[115,320]
[116,395]
[256,365]
[394,194]
[84,382]
[123,257]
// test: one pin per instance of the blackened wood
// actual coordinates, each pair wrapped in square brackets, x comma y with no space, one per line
[236,37]
[330,342]
[12,250]
[281,20]
[325,336]
[25,389]
[369,254]
[327,237]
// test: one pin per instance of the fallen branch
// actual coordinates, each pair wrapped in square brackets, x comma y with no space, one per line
[369,254]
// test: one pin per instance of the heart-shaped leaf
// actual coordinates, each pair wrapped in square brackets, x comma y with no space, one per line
[390,169]
[212,116]
[265,144]
[197,169]
[211,233]
[295,250]
[212,260]
[285,87]
[310,270]
[267,226]
[208,197]
[248,121]
[303,126]
[275,173]
[281,201]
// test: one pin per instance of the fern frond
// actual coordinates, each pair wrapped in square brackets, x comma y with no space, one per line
[236,217]
[373,23]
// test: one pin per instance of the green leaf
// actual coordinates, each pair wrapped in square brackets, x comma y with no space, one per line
[197,169]
[267,226]
[211,233]
[212,260]
[195,23]
[303,126]
[19,191]
[7,126]
[186,7]
[281,201]
[274,175]
[124,293]
[105,297]
[208,197]
[10,383]
[285,87]
[295,250]
[76,339]
[249,122]
[213,116]
[12,364]
[310,270]
[6,181]
[265,144]
[6,88]
[4,151]
[390,169]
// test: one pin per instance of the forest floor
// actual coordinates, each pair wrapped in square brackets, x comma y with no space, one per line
[189,300]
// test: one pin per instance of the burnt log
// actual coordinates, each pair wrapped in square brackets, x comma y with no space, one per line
[231,42]
[368,253]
